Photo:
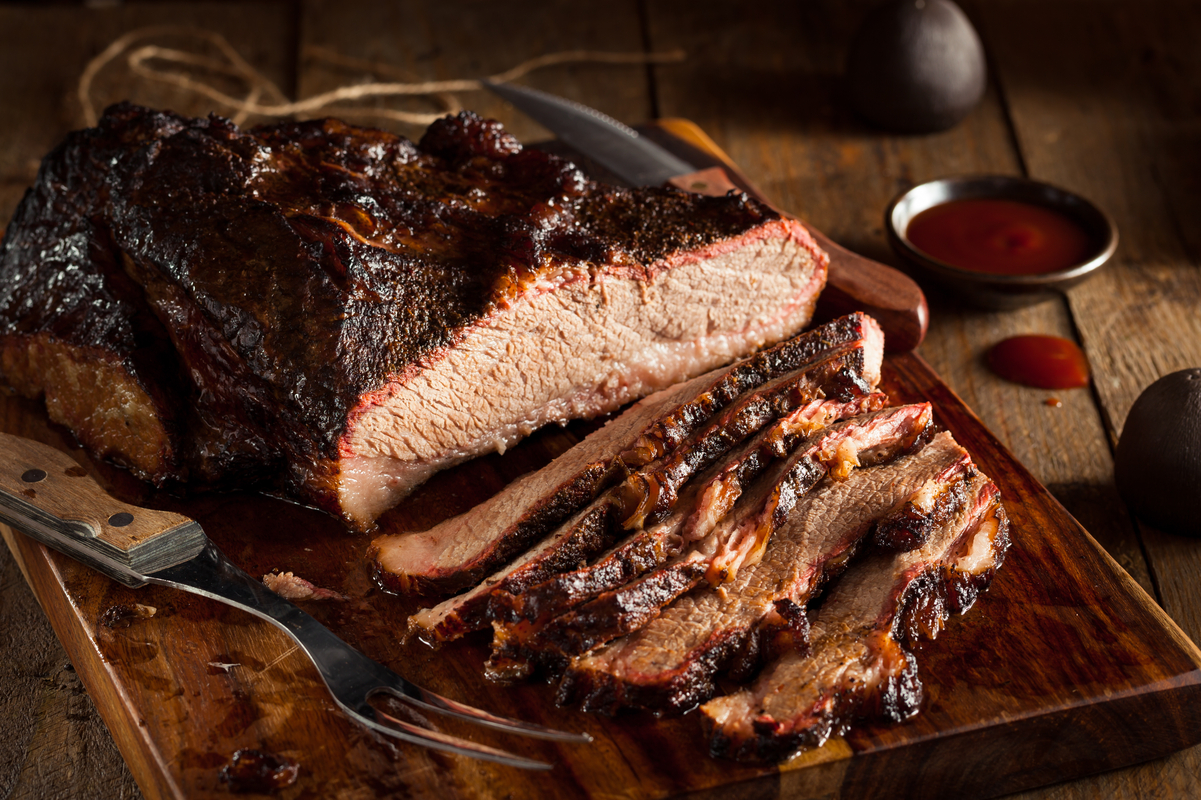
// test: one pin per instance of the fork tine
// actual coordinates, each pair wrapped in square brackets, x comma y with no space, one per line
[436,703]
[442,742]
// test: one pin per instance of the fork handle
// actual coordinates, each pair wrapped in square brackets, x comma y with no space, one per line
[47,495]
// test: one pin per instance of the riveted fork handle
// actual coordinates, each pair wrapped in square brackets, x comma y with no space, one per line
[47,495]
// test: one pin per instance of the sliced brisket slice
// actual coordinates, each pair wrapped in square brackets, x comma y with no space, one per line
[884,435]
[570,546]
[860,442]
[650,493]
[695,418]
[671,663]
[653,546]
[856,666]
[461,551]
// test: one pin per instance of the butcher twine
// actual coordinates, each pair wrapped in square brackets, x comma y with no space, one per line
[264,98]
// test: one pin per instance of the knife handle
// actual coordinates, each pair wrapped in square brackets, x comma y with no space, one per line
[47,495]
[854,283]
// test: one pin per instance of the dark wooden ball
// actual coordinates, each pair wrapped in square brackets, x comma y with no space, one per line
[916,66]
[1157,466]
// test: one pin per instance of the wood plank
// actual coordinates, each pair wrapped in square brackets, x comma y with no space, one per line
[54,744]
[1105,103]
[430,40]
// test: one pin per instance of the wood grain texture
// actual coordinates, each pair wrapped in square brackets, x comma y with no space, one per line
[1101,103]
[1102,99]
[52,742]
[432,40]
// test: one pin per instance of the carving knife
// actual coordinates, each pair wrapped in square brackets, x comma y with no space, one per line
[854,282]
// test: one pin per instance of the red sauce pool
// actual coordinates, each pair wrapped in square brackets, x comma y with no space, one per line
[1040,361]
[1003,237]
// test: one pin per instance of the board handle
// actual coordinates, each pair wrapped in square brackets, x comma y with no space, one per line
[44,493]
[854,283]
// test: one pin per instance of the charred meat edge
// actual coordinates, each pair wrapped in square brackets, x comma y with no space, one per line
[653,546]
[672,663]
[911,526]
[461,551]
[856,667]
[884,434]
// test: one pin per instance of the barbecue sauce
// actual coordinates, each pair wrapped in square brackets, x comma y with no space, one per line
[1040,361]
[1002,237]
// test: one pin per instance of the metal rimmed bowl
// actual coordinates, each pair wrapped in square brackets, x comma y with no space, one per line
[991,290]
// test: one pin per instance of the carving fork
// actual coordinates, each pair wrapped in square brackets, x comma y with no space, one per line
[46,495]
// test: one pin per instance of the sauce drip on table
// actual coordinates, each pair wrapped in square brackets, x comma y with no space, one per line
[1040,361]
[999,236]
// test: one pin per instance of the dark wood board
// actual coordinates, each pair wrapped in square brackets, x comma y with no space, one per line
[1065,668]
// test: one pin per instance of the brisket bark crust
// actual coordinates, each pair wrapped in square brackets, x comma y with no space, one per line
[348,312]
[856,666]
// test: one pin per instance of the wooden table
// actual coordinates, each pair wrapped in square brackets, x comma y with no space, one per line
[1102,98]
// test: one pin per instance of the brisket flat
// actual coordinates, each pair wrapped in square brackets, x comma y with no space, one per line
[671,663]
[462,550]
[344,312]
[884,434]
[856,666]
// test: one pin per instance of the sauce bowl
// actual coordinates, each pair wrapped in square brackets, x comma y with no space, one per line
[992,290]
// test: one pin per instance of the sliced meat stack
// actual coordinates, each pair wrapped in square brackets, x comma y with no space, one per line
[784,522]
[671,663]
[341,312]
[839,361]
[855,665]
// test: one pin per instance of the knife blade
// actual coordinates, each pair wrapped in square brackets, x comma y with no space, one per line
[853,283]
[617,147]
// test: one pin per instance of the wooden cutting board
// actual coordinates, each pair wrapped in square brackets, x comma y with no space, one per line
[1066,667]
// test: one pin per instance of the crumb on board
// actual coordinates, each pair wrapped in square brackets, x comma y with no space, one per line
[290,586]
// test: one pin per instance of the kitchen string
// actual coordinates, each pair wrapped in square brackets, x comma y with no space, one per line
[141,57]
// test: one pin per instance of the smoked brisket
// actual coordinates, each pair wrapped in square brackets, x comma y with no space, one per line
[671,663]
[339,312]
